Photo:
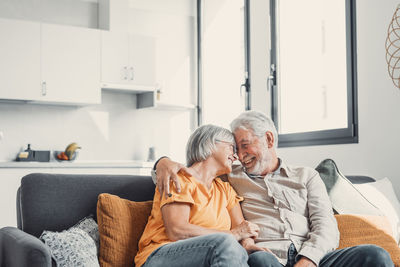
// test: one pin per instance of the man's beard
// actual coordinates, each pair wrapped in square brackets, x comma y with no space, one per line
[256,169]
[261,165]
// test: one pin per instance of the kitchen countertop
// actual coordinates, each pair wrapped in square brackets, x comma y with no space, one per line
[78,164]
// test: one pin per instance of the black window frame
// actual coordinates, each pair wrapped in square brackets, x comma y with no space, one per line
[324,137]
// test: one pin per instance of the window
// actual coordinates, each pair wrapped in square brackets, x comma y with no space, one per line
[223,61]
[313,71]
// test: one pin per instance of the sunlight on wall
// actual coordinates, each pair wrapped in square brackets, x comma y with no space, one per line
[181,78]
[179,134]
[101,119]
[223,61]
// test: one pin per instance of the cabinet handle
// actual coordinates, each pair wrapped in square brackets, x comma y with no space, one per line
[44,89]
[132,74]
[125,73]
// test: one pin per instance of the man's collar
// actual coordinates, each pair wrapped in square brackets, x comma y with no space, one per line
[281,166]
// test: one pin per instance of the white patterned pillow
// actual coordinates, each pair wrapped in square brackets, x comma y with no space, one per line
[90,226]
[72,247]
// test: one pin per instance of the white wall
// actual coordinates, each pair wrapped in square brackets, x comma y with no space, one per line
[114,130]
[377,153]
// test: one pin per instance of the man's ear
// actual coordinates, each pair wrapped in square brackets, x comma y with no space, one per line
[269,137]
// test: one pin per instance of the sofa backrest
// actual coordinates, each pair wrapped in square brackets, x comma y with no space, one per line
[56,202]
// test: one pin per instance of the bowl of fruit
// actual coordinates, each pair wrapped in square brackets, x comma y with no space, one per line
[69,154]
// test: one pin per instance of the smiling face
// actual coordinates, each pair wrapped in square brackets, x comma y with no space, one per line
[256,154]
[224,155]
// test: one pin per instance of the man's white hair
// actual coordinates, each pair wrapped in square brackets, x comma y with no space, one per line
[256,121]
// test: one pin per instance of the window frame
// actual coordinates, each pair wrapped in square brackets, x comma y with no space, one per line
[323,137]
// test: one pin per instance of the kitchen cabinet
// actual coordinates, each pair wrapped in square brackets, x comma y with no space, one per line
[48,63]
[70,64]
[19,59]
[114,15]
[127,61]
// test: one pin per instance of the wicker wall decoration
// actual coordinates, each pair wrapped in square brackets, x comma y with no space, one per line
[393,48]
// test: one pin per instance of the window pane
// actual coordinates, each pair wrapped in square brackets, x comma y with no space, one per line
[312,65]
[223,60]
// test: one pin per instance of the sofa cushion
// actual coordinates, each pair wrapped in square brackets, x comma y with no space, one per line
[357,230]
[382,195]
[344,196]
[121,224]
[90,226]
[72,247]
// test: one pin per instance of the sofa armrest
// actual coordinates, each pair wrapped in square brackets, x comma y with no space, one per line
[18,248]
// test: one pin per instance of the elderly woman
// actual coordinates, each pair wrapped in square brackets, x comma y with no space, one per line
[201,225]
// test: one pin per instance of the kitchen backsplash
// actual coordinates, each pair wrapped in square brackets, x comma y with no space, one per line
[114,130]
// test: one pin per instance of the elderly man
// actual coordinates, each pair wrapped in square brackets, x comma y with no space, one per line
[289,204]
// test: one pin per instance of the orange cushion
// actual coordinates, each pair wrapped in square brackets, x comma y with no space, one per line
[121,224]
[358,229]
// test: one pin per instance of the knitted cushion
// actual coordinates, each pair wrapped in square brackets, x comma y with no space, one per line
[121,224]
[357,230]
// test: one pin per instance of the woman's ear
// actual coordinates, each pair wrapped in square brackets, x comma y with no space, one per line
[269,137]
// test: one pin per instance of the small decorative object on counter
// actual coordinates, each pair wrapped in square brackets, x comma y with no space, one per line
[26,155]
[33,155]
[69,154]
[152,154]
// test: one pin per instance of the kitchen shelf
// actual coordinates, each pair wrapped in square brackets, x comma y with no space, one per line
[145,94]
[127,88]
[173,106]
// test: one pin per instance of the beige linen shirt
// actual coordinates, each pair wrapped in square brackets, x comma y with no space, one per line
[290,205]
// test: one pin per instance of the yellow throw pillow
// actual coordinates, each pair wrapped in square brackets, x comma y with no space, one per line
[360,229]
[121,224]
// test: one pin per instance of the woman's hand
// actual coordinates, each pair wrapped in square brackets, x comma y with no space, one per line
[249,245]
[167,170]
[244,230]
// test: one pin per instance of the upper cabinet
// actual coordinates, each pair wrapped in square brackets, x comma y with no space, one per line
[49,63]
[128,61]
[63,64]
[19,60]
[70,64]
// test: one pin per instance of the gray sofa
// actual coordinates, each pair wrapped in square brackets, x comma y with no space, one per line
[56,202]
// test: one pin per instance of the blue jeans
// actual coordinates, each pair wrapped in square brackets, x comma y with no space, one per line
[358,256]
[209,250]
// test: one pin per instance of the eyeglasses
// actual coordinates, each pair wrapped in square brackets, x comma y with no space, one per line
[229,143]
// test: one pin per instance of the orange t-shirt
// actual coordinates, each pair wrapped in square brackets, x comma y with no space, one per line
[209,208]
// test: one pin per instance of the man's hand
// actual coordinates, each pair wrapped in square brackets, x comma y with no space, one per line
[305,262]
[249,245]
[167,171]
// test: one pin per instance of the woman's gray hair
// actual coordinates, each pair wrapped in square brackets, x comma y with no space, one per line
[201,143]
[256,121]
